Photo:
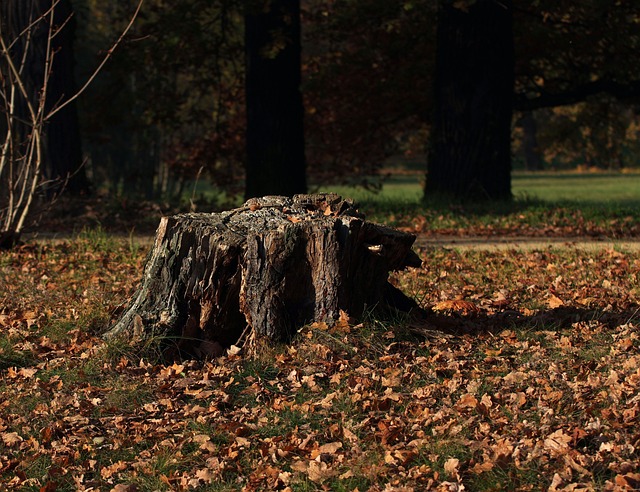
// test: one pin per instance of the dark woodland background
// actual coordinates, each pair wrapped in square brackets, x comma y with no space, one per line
[267,97]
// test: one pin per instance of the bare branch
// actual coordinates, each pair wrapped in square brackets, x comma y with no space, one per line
[578,94]
[102,63]
[22,156]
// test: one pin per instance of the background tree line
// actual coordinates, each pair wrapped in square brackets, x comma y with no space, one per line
[533,83]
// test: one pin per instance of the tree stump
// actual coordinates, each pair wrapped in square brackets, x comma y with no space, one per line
[270,267]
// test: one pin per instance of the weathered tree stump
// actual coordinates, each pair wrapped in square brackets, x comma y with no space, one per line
[270,266]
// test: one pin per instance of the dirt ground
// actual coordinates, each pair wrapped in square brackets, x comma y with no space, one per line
[476,243]
[523,243]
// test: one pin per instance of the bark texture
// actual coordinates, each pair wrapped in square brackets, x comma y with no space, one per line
[471,155]
[275,114]
[270,266]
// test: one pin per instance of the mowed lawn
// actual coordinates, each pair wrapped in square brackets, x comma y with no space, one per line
[587,188]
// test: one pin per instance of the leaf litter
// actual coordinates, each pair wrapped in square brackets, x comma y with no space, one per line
[524,375]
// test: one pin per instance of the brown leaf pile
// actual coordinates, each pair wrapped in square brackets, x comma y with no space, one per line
[533,386]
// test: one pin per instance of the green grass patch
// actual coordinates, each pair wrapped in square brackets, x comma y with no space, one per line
[597,188]
[10,356]
[547,187]
[564,203]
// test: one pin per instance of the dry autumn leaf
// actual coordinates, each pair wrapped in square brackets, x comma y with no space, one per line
[465,308]
[11,438]
[554,301]
[528,398]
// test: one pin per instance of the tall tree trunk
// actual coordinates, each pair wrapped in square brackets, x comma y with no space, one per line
[474,82]
[530,148]
[15,16]
[275,137]
[63,131]
[63,150]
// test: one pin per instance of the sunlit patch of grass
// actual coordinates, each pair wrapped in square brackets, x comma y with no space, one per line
[96,239]
[575,202]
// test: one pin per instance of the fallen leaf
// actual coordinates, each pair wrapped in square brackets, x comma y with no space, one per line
[330,447]
[319,471]
[458,305]
[630,481]
[11,438]
[557,443]
[467,401]
[554,301]
[451,466]
[108,471]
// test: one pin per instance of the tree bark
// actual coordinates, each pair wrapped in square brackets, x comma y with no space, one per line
[274,136]
[530,147]
[270,266]
[63,130]
[63,156]
[474,85]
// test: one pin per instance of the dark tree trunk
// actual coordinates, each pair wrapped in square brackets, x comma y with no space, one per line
[474,85]
[270,266]
[64,148]
[530,148]
[15,16]
[275,136]
[63,154]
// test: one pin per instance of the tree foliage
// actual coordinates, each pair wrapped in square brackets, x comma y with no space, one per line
[368,75]
[577,68]
[173,107]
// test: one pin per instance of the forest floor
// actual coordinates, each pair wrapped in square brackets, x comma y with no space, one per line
[524,374]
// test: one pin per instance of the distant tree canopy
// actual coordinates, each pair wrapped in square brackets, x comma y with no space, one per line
[171,107]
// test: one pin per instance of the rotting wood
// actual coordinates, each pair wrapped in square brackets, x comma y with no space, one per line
[267,268]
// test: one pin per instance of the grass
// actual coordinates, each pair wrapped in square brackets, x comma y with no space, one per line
[546,187]
[544,370]
[593,188]
[547,204]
